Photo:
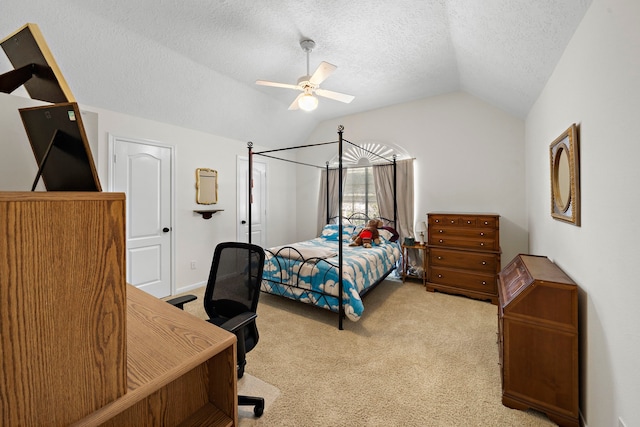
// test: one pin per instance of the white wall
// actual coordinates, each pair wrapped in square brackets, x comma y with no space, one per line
[195,237]
[469,157]
[597,86]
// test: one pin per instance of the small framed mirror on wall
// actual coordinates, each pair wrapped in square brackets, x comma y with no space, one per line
[565,177]
[206,186]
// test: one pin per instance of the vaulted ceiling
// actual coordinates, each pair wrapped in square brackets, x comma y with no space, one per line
[195,63]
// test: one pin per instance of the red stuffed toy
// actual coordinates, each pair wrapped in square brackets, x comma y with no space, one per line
[368,235]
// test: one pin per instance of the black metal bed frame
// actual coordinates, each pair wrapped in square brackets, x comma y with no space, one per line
[317,295]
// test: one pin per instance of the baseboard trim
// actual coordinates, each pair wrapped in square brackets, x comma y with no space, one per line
[189,288]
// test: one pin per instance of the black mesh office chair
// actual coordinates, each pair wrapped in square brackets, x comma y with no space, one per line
[231,299]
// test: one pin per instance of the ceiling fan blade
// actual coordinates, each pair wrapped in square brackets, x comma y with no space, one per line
[294,104]
[323,71]
[274,84]
[342,97]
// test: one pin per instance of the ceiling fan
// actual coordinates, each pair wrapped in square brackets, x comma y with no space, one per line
[310,84]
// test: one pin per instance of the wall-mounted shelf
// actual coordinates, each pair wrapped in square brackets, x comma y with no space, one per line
[206,214]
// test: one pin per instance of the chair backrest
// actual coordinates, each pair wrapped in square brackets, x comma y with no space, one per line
[234,279]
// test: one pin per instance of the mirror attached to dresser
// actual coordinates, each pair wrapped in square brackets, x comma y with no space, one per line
[565,183]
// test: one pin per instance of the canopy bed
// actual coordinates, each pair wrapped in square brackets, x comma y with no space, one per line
[319,270]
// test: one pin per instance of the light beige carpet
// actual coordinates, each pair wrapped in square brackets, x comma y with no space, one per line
[415,358]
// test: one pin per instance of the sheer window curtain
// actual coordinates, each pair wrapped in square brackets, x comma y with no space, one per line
[334,197]
[383,176]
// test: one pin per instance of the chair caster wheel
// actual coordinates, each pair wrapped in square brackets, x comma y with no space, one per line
[258,410]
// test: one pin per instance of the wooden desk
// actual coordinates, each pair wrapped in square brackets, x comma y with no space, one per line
[78,346]
[181,370]
[405,251]
[538,346]
[62,305]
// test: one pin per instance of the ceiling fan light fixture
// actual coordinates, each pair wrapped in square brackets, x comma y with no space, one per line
[308,102]
[309,84]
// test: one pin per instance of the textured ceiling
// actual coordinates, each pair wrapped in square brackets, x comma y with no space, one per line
[195,63]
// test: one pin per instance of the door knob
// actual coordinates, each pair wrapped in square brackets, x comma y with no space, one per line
[166,230]
[243,222]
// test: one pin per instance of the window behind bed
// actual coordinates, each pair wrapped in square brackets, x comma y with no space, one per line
[359,193]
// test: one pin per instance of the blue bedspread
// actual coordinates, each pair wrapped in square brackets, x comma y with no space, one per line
[314,278]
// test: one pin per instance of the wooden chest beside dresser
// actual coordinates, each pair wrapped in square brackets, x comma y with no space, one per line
[538,339]
[464,254]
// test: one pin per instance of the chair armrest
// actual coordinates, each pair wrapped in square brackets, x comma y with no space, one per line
[181,301]
[239,321]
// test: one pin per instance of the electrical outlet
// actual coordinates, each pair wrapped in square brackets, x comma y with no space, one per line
[621,423]
[193,265]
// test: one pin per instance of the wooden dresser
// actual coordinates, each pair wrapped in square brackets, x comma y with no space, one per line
[464,254]
[538,339]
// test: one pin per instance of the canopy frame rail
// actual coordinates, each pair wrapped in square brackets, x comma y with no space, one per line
[340,142]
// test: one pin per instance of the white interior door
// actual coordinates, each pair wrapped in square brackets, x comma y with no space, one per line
[259,206]
[143,171]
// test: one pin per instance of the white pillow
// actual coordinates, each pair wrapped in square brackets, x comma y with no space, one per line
[385,234]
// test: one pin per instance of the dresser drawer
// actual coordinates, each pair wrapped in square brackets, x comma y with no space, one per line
[481,262]
[487,221]
[464,233]
[443,220]
[462,220]
[463,279]
[479,244]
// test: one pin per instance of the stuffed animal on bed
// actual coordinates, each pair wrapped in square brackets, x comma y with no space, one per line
[368,234]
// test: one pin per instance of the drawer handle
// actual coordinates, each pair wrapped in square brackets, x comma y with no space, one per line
[440,231]
[484,262]
[437,220]
[452,221]
[439,257]
[468,222]
[439,276]
[440,241]
[484,283]
[486,222]
[481,233]
[482,244]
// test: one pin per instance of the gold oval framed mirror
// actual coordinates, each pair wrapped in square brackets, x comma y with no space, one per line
[565,190]
[562,179]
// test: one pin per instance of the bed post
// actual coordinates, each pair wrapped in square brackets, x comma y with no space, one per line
[395,195]
[327,193]
[340,284]
[250,185]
